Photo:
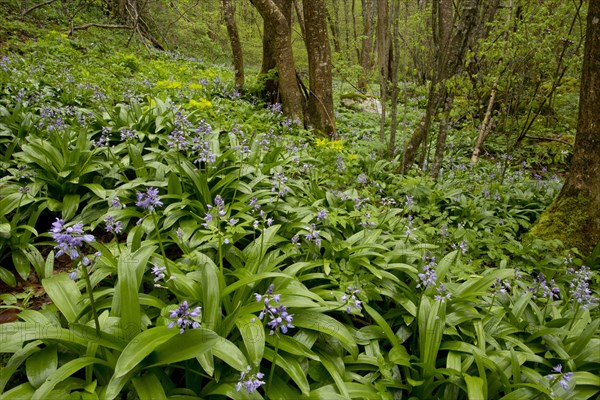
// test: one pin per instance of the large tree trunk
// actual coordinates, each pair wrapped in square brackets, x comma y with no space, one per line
[383,52]
[320,101]
[279,44]
[234,38]
[574,217]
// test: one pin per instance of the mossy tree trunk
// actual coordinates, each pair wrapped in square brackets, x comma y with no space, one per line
[574,217]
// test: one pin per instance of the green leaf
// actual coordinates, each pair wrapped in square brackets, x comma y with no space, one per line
[64,294]
[5,230]
[228,352]
[16,360]
[326,325]
[140,347]
[40,365]
[70,204]
[474,387]
[253,335]
[192,343]
[97,189]
[21,263]
[7,277]
[292,368]
[148,387]
[62,373]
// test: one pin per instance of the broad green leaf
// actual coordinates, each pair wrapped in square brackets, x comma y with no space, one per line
[7,277]
[62,373]
[253,335]
[70,204]
[140,347]
[326,325]
[191,344]
[21,263]
[97,189]
[474,387]
[291,367]
[64,294]
[228,352]
[148,387]
[15,362]
[40,365]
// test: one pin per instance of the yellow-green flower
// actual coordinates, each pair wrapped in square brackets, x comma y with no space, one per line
[202,104]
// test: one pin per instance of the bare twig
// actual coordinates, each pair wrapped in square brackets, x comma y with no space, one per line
[38,6]
[94,25]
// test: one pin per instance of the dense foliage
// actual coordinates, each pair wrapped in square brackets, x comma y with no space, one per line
[191,243]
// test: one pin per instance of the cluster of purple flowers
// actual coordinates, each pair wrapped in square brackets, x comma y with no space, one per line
[116,203]
[428,277]
[362,179]
[104,139]
[128,134]
[69,239]
[112,225]
[322,215]
[159,273]
[366,222]
[351,299]
[86,262]
[501,286]
[579,286]
[563,378]
[548,288]
[184,318]
[340,164]
[313,235]
[250,382]
[148,200]
[278,183]
[443,294]
[279,318]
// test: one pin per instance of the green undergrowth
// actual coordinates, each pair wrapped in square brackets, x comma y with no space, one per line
[192,242]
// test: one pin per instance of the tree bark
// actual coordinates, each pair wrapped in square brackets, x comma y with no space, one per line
[320,101]
[574,217]
[383,50]
[368,10]
[279,46]
[449,61]
[234,38]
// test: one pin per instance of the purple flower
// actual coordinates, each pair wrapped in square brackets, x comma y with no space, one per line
[443,294]
[579,287]
[69,239]
[148,200]
[116,203]
[322,215]
[351,299]
[563,378]
[112,225]
[250,381]
[279,318]
[159,272]
[548,288]
[428,277]
[184,318]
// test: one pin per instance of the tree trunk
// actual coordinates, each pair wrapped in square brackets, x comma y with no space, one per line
[320,101]
[486,124]
[368,10]
[334,23]
[279,43]
[574,217]
[440,147]
[234,38]
[394,78]
[383,44]
[449,61]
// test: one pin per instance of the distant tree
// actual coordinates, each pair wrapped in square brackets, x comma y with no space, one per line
[574,217]
[234,38]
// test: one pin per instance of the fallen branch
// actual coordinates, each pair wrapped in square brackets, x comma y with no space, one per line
[548,139]
[38,6]
[94,25]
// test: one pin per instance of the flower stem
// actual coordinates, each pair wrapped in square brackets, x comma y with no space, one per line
[160,243]
[274,363]
[88,284]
